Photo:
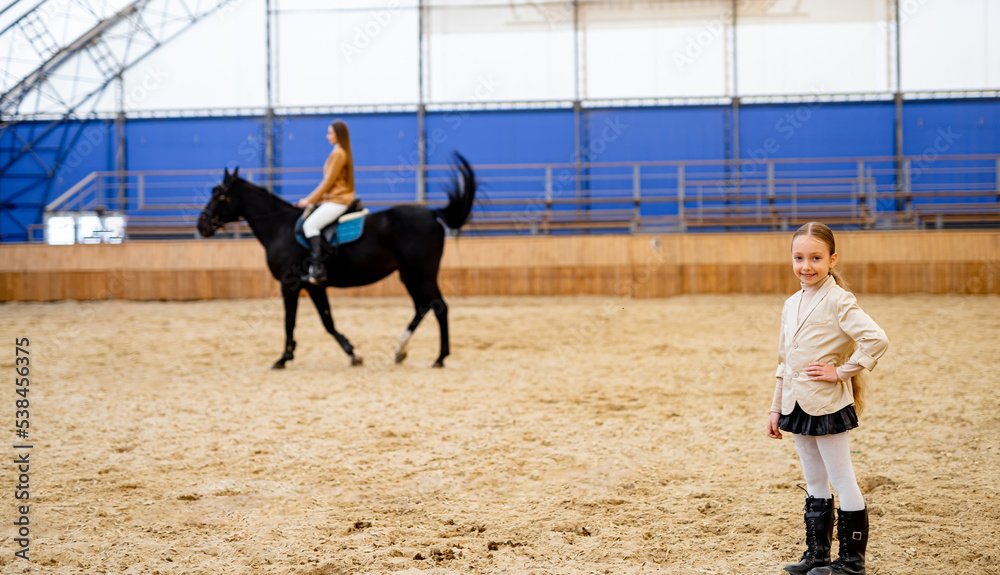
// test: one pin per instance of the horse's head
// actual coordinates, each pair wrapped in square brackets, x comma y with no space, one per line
[222,207]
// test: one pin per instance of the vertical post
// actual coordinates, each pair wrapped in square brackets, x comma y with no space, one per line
[269,148]
[760,211]
[421,191]
[636,196]
[900,176]
[899,109]
[682,222]
[998,179]
[872,196]
[736,51]
[100,196]
[795,205]
[908,186]
[736,108]
[899,55]
[121,160]
[701,213]
[736,173]
[770,189]
[141,185]
[547,215]
[770,179]
[548,185]
[577,108]
[861,199]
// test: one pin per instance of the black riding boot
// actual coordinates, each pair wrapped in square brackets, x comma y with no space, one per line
[852,533]
[317,271]
[819,536]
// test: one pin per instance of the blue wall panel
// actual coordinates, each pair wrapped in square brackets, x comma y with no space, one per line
[195,144]
[375,140]
[817,130]
[947,128]
[655,134]
[92,148]
[28,183]
[951,127]
[88,147]
[192,144]
[382,140]
[508,137]
[932,130]
[649,134]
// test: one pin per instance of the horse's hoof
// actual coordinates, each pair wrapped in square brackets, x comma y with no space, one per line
[438,363]
[400,357]
[278,365]
[356,360]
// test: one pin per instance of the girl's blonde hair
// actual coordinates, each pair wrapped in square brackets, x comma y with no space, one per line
[823,233]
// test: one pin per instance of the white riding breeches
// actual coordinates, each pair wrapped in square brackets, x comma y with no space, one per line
[322,216]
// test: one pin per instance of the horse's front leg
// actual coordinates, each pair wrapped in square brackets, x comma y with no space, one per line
[291,298]
[318,295]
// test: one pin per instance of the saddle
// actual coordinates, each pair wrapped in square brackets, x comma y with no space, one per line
[345,229]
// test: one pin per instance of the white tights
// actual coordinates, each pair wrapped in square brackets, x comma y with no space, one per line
[826,459]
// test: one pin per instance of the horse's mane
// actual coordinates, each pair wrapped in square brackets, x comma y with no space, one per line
[254,188]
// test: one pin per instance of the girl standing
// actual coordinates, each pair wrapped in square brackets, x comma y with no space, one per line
[331,197]
[826,343]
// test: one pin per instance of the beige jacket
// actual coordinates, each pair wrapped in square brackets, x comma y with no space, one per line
[338,183]
[828,331]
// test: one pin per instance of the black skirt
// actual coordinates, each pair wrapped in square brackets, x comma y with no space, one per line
[802,423]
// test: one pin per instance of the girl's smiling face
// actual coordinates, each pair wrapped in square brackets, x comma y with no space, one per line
[811,260]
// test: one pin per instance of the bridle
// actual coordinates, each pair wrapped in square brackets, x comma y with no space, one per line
[224,195]
[209,212]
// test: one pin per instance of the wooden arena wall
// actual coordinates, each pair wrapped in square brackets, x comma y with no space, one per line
[936,262]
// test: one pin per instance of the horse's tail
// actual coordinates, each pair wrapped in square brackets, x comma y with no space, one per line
[460,196]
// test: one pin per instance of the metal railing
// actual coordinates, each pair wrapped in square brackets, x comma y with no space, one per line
[666,196]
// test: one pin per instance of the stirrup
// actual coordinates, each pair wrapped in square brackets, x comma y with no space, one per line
[316,275]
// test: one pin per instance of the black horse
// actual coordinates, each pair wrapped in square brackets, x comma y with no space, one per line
[408,238]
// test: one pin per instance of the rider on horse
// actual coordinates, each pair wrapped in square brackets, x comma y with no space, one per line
[331,197]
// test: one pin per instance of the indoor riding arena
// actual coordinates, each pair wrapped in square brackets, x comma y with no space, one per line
[551,344]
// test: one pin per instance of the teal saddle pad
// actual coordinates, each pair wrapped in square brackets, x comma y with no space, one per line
[348,228]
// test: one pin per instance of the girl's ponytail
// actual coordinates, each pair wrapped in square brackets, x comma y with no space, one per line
[839,278]
[859,384]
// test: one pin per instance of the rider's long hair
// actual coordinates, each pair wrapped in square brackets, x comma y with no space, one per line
[344,141]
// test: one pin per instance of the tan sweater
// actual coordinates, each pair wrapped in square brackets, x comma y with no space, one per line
[338,180]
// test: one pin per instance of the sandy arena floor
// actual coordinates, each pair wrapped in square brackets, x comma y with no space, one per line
[566,435]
